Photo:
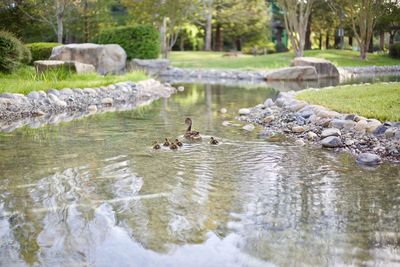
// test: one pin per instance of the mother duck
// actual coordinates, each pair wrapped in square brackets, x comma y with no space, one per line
[189,134]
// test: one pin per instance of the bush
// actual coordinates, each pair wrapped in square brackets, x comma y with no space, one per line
[141,42]
[26,55]
[394,51]
[12,52]
[41,51]
[281,48]
[259,48]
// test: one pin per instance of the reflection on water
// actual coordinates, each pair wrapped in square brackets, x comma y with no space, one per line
[92,193]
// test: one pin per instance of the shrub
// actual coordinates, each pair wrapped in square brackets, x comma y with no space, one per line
[11,52]
[141,41]
[259,48]
[394,51]
[41,51]
[26,55]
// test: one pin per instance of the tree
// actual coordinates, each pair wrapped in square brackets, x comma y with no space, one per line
[296,15]
[389,21]
[363,15]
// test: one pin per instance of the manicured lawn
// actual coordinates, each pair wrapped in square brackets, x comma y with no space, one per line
[380,101]
[25,80]
[215,60]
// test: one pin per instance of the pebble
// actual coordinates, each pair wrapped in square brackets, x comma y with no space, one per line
[299,142]
[244,111]
[223,110]
[181,88]
[107,101]
[390,132]
[269,119]
[331,142]
[298,129]
[268,103]
[311,136]
[330,132]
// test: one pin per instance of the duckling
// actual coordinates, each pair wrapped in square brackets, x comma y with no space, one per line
[173,146]
[178,143]
[213,141]
[189,134]
[156,146]
[167,142]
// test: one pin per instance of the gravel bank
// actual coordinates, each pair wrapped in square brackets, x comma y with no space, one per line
[368,139]
[53,106]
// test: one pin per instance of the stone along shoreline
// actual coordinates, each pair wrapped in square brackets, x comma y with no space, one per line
[54,106]
[368,139]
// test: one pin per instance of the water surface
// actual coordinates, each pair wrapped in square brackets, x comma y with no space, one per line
[92,192]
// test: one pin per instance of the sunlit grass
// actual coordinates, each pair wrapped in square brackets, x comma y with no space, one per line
[380,101]
[216,60]
[25,80]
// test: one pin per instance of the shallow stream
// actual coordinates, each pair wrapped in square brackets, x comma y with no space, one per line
[92,192]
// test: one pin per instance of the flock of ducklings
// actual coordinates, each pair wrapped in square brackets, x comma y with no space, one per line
[190,135]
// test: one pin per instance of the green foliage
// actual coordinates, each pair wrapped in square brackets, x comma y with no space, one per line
[12,52]
[394,51]
[26,55]
[141,41]
[378,101]
[25,79]
[259,48]
[41,51]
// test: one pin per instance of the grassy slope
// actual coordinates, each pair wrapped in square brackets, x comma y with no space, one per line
[342,58]
[380,101]
[25,80]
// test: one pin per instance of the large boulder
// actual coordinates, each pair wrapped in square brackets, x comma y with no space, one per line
[44,65]
[301,73]
[324,68]
[109,58]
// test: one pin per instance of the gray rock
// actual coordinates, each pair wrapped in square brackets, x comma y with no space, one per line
[311,136]
[368,159]
[337,123]
[323,67]
[107,101]
[110,58]
[350,117]
[331,142]
[89,91]
[33,95]
[54,92]
[299,142]
[380,130]
[66,92]
[223,110]
[268,103]
[330,132]
[390,132]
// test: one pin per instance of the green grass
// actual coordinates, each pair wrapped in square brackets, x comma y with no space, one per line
[380,101]
[25,80]
[215,60]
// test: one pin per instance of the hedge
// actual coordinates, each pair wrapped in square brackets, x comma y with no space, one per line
[12,52]
[141,41]
[394,51]
[41,51]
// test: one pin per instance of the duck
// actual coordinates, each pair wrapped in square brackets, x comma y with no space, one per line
[167,142]
[178,143]
[189,134]
[214,141]
[173,146]
[156,146]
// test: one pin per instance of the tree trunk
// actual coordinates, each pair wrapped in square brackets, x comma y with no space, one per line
[382,41]
[218,37]
[363,52]
[163,36]
[391,37]
[336,41]
[320,41]
[182,44]
[60,27]
[351,41]
[371,45]
[327,40]
[307,45]
[86,20]
[208,30]
[238,44]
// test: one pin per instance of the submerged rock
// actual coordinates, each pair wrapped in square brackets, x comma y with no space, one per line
[249,127]
[368,159]
[244,111]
